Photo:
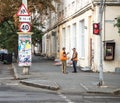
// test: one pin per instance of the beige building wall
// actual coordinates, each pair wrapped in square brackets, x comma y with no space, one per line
[76,31]
[111,33]
[71,34]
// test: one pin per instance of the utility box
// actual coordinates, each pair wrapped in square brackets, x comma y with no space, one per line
[109,50]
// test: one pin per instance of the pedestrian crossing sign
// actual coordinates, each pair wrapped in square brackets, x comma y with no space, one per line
[22,11]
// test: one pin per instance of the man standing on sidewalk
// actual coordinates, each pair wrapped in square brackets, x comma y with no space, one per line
[63,58]
[74,59]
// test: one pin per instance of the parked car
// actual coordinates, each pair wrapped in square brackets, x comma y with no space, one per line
[5,57]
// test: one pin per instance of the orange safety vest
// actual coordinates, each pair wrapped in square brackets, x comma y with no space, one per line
[63,56]
[75,56]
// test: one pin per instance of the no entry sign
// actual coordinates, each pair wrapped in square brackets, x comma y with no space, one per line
[25,27]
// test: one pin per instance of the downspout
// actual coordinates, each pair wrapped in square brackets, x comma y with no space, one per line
[91,47]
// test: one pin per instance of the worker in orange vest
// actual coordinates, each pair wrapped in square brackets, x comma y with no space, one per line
[74,59]
[63,58]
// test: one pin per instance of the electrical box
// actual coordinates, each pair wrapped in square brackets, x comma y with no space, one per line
[109,50]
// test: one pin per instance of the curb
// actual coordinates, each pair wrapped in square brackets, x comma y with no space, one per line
[30,82]
[15,72]
[45,84]
[116,92]
[100,89]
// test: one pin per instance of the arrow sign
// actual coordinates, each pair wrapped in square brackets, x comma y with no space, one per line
[22,11]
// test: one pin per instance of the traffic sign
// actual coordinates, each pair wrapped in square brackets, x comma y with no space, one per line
[25,27]
[22,11]
[25,18]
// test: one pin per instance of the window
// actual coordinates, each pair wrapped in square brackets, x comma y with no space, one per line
[63,38]
[82,39]
[74,36]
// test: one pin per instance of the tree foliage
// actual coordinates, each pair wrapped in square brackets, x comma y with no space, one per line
[8,8]
[118,24]
[9,20]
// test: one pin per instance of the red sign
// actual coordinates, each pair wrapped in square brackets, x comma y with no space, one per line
[22,11]
[96,29]
[25,27]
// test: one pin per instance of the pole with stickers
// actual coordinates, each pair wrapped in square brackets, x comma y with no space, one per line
[24,38]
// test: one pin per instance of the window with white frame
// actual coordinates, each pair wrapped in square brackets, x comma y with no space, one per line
[63,37]
[68,39]
[74,36]
[82,39]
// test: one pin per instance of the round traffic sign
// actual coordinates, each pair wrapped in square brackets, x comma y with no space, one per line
[25,27]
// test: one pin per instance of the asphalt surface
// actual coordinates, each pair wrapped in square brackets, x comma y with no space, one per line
[44,74]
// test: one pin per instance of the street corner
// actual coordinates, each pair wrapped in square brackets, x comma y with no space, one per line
[45,84]
[116,91]
[94,88]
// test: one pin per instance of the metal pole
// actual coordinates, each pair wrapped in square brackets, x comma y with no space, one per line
[101,8]
[24,2]
[25,68]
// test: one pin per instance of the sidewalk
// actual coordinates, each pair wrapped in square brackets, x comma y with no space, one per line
[44,74]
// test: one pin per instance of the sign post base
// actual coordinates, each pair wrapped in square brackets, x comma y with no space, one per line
[26,70]
[24,51]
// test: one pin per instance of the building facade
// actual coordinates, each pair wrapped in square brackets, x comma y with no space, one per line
[72,27]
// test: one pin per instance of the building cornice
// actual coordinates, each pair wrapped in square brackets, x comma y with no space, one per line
[83,10]
[107,2]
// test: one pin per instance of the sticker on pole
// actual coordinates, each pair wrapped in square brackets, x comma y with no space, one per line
[25,27]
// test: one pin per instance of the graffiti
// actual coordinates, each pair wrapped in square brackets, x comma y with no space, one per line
[24,50]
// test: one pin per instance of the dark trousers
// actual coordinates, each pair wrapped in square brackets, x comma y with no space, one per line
[74,66]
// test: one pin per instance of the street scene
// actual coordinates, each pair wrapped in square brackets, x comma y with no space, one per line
[47,84]
[59,51]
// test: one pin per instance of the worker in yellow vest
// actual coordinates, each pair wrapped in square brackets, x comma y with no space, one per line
[63,58]
[74,59]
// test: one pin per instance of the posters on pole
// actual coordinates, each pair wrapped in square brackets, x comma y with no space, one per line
[24,50]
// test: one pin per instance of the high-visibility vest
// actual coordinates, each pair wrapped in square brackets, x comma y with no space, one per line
[75,56]
[63,56]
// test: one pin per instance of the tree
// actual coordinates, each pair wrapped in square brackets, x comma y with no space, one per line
[8,8]
[9,21]
[118,24]
[8,37]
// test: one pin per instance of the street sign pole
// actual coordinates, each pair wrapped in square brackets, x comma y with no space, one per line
[24,2]
[24,51]
[25,68]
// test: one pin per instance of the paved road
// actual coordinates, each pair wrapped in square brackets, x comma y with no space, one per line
[5,71]
[11,91]
[22,94]
[43,69]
